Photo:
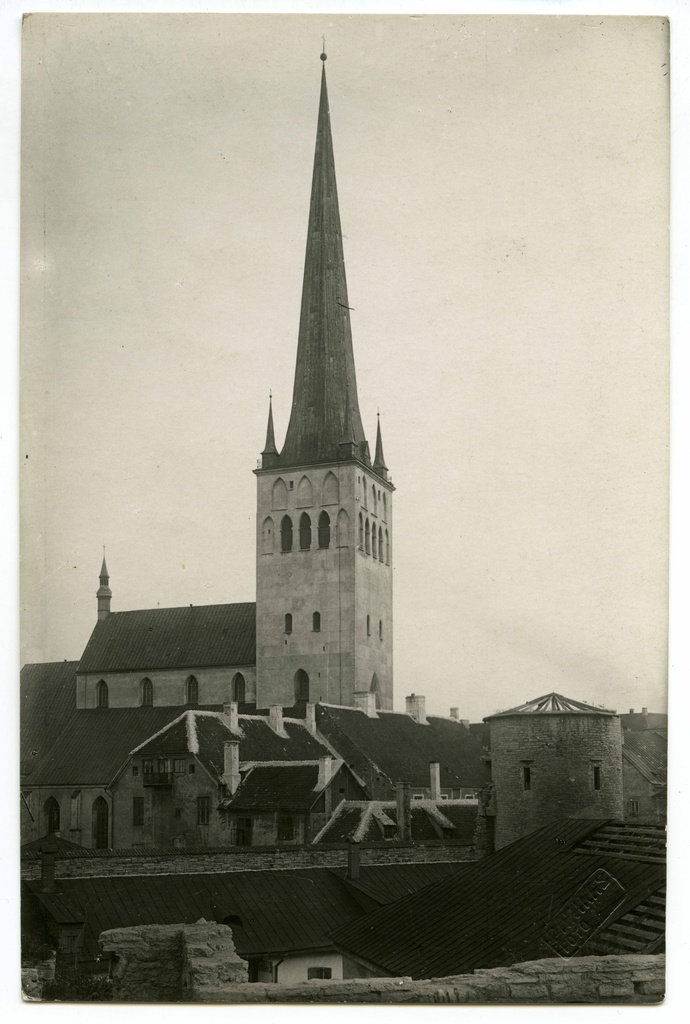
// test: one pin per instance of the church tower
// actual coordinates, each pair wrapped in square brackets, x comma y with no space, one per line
[324,597]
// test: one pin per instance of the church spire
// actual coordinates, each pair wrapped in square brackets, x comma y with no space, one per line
[325,369]
[104,593]
[270,449]
[380,466]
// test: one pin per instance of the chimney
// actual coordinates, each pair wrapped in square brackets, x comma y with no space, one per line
[310,719]
[48,865]
[644,711]
[275,720]
[465,722]
[416,707]
[404,812]
[455,713]
[632,711]
[230,711]
[231,765]
[353,860]
[325,769]
[435,778]
[366,702]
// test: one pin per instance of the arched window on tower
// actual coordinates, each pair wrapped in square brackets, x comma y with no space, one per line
[146,693]
[316,622]
[324,530]
[288,623]
[361,532]
[342,529]
[367,538]
[380,544]
[99,824]
[102,694]
[286,534]
[304,532]
[380,629]
[191,691]
[373,499]
[374,545]
[301,685]
[388,550]
[279,494]
[368,625]
[364,493]
[374,688]
[385,507]
[267,536]
[239,689]
[51,815]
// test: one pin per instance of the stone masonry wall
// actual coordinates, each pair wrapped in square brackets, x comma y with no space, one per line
[247,859]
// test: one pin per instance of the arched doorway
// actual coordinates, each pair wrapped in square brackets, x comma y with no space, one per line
[301,685]
[99,824]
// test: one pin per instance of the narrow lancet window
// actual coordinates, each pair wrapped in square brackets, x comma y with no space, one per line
[324,530]
[286,534]
[304,532]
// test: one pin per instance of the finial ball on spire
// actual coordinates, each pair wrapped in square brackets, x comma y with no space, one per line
[323,56]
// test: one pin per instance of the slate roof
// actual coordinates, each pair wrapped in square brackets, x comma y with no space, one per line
[397,748]
[638,721]
[276,788]
[96,742]
[47,701]
[204,733]
[172,638]
[360,821]
[647,751]
[552,704]
[547,894]
[386,883]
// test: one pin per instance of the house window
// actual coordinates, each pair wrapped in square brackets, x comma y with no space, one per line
[324,530]
[596,776]
[316,622]
[286,534]
[304,532]
[633,807]
[526,777]
[203,810]
[135,769]
[241,831]
[179,765]
[314,973]
[147,764]
[288,623]
[102,694]
[146,693]
[192,768]
[69,938]
[239,689]
[138,810]
[286,828]
[191,691]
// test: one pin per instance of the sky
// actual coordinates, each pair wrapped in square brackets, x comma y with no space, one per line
[503,186]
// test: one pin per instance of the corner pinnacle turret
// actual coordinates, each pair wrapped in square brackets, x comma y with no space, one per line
[104,593]
[325,369]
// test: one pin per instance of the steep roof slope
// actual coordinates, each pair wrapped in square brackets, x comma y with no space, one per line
[47,702]
[547,894]
[398,748]
[173,638]
[647,751]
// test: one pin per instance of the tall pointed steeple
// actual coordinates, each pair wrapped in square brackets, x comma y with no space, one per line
[380,466]
[270,451]
[325,363]
[104,593]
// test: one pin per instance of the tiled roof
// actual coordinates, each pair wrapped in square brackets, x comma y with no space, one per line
[205,733]
[552,704]
[538,897]
[173,638]
[386,883]
[639,721]
[361,821]
[647,751]
[95,744]
[47,701]
[273,912]
[62,848]
[397,748]
[276,788]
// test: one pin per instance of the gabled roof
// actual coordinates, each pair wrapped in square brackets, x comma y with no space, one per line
[95,743]
[552,704]
[276,788]
[397,748]
[449,821]
[173,638]
[547,894]
[47,701]
[641,720]
[204,733]
[647,751]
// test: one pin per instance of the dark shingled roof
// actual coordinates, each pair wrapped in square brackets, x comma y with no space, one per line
[257,740]
[477,918]
[96,742]
[647,751]
[387,883]
[47,701]
[357,820]
[395,746]
[173,638]
[276,788]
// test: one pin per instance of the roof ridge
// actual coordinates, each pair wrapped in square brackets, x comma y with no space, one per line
[160,732]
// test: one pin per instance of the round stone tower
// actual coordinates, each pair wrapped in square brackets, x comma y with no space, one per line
[554,758]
